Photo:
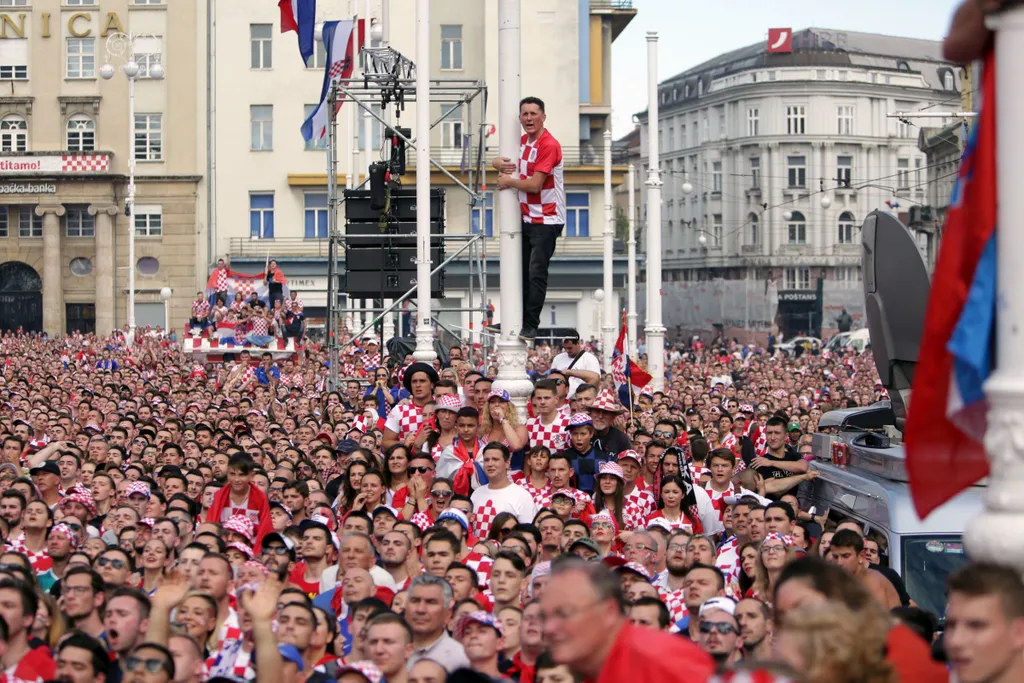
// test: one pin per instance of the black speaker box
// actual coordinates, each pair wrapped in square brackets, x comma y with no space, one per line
[403,205]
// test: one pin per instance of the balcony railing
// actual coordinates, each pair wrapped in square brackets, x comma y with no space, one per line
[298,247]
[585,155]
[611,4]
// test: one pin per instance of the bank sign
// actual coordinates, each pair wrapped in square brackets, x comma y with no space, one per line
[55,163]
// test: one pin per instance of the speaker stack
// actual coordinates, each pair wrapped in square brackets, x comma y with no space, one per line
[380,250]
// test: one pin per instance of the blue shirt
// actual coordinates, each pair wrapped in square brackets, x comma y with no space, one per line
[261,374]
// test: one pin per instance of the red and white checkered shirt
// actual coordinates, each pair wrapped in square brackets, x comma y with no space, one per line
[546,207]
[259,326]
[230,630]
[200,308]
[294,379]
[404,420]
[637,506]
[554,436]
[220,280]
[681,523]
[294,305]
[673,599]
[422,520]
[718,498]
[541,496]
[481,564]
[698,471]
[728,560]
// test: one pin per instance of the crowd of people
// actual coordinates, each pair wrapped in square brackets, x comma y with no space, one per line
[167,520]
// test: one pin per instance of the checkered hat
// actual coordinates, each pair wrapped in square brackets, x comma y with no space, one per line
[605,516]
[636,568]
[630,453]
[564,492]
[137,487]
[499,393]
[62,528]
[368,670]
[258,566]
[785,540]
[612,468]
[580,420]
[241,525]
[607,402]
[148,521]
[480,617]
[76,494]
[448,402]
[746,408]
[242,548]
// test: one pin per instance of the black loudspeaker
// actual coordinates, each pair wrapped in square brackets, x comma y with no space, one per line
[359,207]
[378,188]
[403,232]
[368,284]
[388,258]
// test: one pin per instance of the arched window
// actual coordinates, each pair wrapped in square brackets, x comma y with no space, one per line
[686,90]
[797,225]
[700,87]
[847,224]
[13,134]
[81,134]
[902,66]
[755,228]
[948,80]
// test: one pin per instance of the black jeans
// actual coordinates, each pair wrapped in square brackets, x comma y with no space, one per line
[538,246]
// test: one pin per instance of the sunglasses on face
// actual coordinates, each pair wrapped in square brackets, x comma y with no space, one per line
[276,550]
[505,531]
[115,563]
[721,627]
[152,665]
[420,470]
[440,494]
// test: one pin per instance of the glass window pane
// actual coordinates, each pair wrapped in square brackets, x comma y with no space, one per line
[570,223]
[584,226]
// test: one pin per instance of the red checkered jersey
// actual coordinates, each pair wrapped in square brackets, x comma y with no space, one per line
[220,279]
[546,207]
[673,599]
[555,435]
[404,420]
[541,496]
[638,505]
[728,561]
[481,564]
[294,305]
[230,630]
[718,498]
[698,471]
[681,523]
[259,326]
[200,308]
[423,520]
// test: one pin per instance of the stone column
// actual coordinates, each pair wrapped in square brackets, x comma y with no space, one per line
[104,266]
[53,285]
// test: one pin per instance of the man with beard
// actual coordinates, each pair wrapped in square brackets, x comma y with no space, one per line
[60,542]
[394,556]
[276,555]
[12,507]
[82,599]
[728,559]
[550,537]
[482,639]
[81,659]
[603,411]
[114,566]
[126,620]
[755,619]
[671,582]
[720,632]
[215,579]
[428,610]
[296,624]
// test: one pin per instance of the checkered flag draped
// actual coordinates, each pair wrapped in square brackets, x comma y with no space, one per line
[619,369]
[484,515]
[675,602]
[481,565]
[222,280]
[84,163]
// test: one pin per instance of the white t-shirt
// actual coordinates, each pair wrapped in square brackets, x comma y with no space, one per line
[587,361]
[708,514]
[488,503]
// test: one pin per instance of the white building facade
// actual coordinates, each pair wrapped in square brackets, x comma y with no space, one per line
[784,155]
[270,189]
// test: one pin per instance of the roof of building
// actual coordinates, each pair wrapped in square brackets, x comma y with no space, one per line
[629,141]
[819,47]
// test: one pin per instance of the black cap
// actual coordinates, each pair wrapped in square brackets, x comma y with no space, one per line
[572,335]
[48,467]
[347,446]
[415,368]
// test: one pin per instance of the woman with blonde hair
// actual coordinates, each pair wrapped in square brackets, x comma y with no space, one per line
[830,643]
[775,553]
[500,422]
[49,626]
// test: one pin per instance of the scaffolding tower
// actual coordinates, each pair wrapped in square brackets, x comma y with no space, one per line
[388,80]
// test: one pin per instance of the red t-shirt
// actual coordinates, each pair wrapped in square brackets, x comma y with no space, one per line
[640,654]
[310,588]
[912,658]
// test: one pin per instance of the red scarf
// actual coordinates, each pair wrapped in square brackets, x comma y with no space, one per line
[463,479]
[257,501]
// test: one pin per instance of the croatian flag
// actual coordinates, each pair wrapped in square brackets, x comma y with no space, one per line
[947,414]
[342,43]
[626,373]
[300,16]
[245,284]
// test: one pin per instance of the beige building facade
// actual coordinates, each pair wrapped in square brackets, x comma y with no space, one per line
[66,138]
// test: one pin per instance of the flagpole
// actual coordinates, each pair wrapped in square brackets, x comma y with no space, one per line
[629,375]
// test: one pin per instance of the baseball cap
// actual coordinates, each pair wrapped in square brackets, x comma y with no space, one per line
[480,617]
[280,538]
[48,467]
[456,514]
[727,605]
[587,542]
[793,427]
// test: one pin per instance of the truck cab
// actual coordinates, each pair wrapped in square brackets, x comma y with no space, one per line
[859,453]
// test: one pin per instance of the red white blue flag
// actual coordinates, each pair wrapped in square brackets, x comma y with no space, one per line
[625,371]
[947,414]
[300,16]
[341,40]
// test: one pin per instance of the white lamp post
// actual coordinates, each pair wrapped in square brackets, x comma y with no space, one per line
[165,294]
[655,330]
[608,327]
[122,46]
[599,298]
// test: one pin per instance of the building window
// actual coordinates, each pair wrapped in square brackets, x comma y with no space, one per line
[3,221]
[686,90]
[29,224]
[261,216]
[716,177]
[847,277]
[796,119]
[451,47]
[948,80]
[81,58]
[81,134]
[82,2]
[13,59]
[376,133]
[846,227]
[797,227]
[13,134]
[318,60]
[484,210]
[844,119]
[716,230]
[796,167]
[313,143]
[148,266]
[903,128]
[261,46]
[700,87]
[13,3]
[705,130]
[755,172]
[917,172]
[451,128]
[798,278]
[149,2]
[149,139]
[903,174]
[755,228]
[315,214]
[844,170]
[148,53]
[78,222]
[261,127]
[683,141]
[753,122]
[577,214]
[148,220]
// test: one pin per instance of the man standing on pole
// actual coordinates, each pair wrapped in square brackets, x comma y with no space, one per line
[537,176]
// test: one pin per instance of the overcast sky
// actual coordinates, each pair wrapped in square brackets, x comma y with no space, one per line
[691,32]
